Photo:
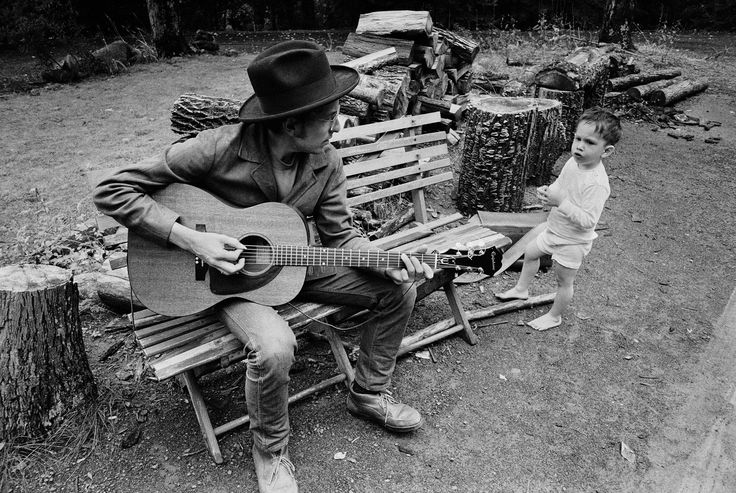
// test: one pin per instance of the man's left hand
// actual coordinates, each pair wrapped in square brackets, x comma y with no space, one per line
[414,270]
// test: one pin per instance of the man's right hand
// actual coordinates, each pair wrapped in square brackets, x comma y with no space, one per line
[216,250]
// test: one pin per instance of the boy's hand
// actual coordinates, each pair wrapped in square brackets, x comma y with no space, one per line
[553,196]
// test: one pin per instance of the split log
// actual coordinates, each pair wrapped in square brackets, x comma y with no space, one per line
[511,224]
[370,89]
[676,92]
[586,68]
[44,372]
[507,141]
[354,107]
[402,23]
[394,224]
[644,91]
[572,107]
[395,104]
[424,55]
[373,61]
[463,47]
[621,83]
[359,45]
[435,86]
[446,108]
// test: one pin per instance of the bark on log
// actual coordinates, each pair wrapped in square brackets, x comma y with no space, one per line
[44,372]
[572,107]
[586,68]
[193,113]
[115,293]
[354,107]
[370,89]
[359,45]
[464,48]
[644,91]
[446,108]
[400,23]
[368,63]
[507,140]
[676,92]
[395,102]
[621,83]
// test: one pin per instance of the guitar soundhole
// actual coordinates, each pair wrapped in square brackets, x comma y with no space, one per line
[258,256]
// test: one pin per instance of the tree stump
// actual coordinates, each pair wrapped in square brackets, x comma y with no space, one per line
[507,140]
[44,372]
[572,107]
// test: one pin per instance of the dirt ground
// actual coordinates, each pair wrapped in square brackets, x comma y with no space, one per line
[644,356]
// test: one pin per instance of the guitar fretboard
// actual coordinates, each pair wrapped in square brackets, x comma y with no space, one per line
[305,256]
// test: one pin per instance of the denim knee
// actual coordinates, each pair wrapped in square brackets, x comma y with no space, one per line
[275,356]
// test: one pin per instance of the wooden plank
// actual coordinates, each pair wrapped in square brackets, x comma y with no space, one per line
[382,145]
[404,187]
[172,322]
[372,61]
[177,331]
[394,159]
[386,126]
[196,356]
[399,173]
[402,237]
[216,330]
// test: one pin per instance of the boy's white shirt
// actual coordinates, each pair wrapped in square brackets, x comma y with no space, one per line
[586,193]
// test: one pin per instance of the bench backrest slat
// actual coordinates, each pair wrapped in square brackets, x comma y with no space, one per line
[404,187]
[386,126]
[395,158]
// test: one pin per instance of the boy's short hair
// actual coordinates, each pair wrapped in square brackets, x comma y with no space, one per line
[607,125]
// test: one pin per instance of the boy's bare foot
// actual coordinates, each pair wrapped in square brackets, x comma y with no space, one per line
[545,322]
[513,294]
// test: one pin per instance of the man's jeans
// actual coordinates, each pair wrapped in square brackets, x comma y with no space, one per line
[271,344]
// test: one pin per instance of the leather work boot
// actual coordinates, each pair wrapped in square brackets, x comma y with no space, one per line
[386,410]
[275,472]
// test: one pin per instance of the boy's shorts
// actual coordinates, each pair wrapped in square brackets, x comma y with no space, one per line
[565,252]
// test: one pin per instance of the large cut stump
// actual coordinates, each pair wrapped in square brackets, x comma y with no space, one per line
[507,141]
[572,107]
[44,372]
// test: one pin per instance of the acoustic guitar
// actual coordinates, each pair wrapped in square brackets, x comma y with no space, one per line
[172,281]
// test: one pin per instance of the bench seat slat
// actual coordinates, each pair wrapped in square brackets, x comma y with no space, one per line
[169,323]
[214,329]
[174,332]
[193,357]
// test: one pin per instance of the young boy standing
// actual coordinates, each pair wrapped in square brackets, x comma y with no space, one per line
[577,198]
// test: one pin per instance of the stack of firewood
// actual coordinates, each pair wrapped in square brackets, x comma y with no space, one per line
[425,68]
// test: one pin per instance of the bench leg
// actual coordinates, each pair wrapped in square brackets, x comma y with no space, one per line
[461,318]
[341,357]
[203,417]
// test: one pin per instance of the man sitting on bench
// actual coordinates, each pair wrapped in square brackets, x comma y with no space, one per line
[281,152]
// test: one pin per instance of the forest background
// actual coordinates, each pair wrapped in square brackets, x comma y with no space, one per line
[30,25]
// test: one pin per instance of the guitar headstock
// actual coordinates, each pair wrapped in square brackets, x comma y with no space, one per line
[487,259]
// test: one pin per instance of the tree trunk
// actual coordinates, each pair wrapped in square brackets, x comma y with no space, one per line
[586,68]
[644,91]
[507,140]
[617,23]
[676,92]
[44,372]
[400,23]
[359,45]
[464,48]
[622,83]
[165,24]
[572,108]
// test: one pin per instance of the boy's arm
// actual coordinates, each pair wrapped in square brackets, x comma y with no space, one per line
[586,214]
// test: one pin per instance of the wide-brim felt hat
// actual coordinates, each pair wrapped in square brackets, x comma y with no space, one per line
[293,77]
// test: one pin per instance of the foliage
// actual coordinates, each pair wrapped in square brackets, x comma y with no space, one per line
[32,24]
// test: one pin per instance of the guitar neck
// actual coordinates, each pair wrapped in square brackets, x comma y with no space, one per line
[337,257]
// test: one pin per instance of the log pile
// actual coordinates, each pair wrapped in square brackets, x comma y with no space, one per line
[431,70]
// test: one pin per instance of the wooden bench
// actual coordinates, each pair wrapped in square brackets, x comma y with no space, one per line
[399,159]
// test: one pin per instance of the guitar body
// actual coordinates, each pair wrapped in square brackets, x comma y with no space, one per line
[164,278]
